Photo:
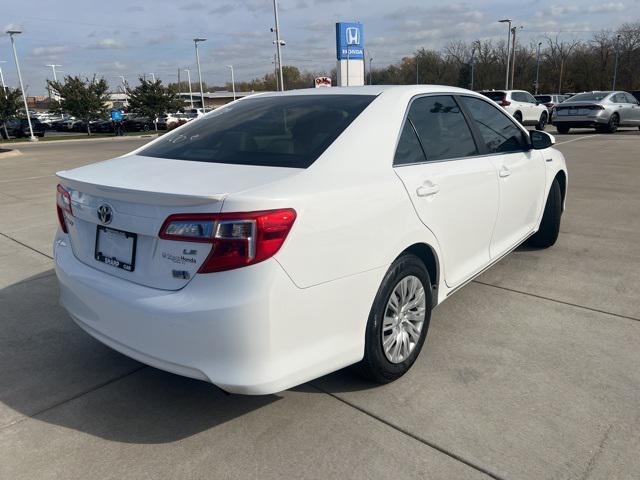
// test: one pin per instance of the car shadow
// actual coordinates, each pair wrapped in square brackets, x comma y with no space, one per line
[54,372]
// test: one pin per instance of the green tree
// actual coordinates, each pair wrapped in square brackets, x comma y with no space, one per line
[84,99]
[152,99]
[10,100]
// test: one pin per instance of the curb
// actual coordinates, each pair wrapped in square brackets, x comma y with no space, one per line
[73,140]
[9,153]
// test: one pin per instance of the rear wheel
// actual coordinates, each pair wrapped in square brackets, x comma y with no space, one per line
[518,117]
[562,129]
[614,123]
[547,235]
[398,321]
[542,123]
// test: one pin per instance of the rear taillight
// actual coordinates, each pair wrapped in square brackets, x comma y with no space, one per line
[238,239]
[505,103]
[63,205]
[596,107]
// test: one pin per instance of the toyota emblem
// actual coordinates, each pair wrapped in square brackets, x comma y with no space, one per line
[105,214]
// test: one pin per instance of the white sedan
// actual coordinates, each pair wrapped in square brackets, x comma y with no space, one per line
[289,235]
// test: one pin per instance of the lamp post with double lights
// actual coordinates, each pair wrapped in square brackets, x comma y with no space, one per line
[195,42]
[11,34]
[506,78]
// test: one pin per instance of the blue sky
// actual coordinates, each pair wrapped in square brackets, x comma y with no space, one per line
[130,38]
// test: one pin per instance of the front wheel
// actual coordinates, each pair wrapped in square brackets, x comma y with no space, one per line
[549,229]
[542,123]
[562,129]
[398,321]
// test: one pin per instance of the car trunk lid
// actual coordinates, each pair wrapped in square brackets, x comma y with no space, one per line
[120,205]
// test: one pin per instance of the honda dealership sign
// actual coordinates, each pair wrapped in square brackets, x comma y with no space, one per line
[349,41]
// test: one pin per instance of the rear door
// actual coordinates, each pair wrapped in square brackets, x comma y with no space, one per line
[521,174]
[454,190]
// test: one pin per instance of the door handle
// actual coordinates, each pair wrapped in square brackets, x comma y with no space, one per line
[427,190]
[504,172]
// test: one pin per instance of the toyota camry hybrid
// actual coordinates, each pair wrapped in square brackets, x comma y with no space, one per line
[288,235]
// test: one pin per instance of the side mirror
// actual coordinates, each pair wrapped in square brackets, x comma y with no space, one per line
[541,140]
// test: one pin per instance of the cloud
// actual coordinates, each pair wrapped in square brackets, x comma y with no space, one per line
[606,7]
[222,9]
[107,44]
[193,6]
[47,51]
[135,8]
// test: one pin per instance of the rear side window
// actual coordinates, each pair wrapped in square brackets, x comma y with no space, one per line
[495,96]
[277,131]
[498,131]
[409,149]
[441,128]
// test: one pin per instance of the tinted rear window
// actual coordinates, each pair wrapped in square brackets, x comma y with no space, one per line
[495,96]
[544,98]
[278,131]
[589,97]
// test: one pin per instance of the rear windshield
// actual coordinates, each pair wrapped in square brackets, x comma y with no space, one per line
[589,97]
[495,96]
[544,98]
[277,131]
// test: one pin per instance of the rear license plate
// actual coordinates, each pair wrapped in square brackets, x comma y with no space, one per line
[116,248]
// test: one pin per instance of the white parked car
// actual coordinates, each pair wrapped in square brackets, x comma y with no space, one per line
[522,105]
[288,235]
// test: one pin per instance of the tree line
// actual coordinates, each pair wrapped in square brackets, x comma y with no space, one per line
[565,65]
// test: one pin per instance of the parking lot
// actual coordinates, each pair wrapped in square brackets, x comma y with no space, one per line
[529,372]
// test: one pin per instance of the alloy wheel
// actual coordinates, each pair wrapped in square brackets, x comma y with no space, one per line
[403,319]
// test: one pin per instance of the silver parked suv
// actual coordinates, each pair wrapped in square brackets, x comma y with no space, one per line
[604,111]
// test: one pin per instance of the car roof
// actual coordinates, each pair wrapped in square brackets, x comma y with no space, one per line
[370,90]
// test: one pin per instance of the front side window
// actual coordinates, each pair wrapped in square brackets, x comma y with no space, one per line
[499,133]
[441,128]
[276,131]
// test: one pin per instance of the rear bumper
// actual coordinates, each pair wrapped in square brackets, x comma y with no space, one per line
[248,331]
[582,121]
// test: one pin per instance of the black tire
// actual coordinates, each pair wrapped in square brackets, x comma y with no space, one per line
[375,366]
[518,117]
[542,123]
[547,235]
[562,129]
[614,123]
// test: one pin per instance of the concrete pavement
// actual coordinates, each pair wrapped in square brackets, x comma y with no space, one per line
[529,372]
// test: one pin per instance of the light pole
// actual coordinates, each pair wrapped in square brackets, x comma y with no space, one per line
[4,86]
[615,67]
[538,67]
[417,70]
[506,78]
[53,67]
[370,60]
[233,81]
[278,43]
[55,78]
[190,91]
[195,42]
[513,47]
[11,33]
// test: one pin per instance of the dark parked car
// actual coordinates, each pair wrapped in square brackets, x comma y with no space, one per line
[138,124]
[636,94]
[19,127]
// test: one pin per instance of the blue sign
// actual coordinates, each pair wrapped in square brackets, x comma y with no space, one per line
[349,41]
[116,115]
